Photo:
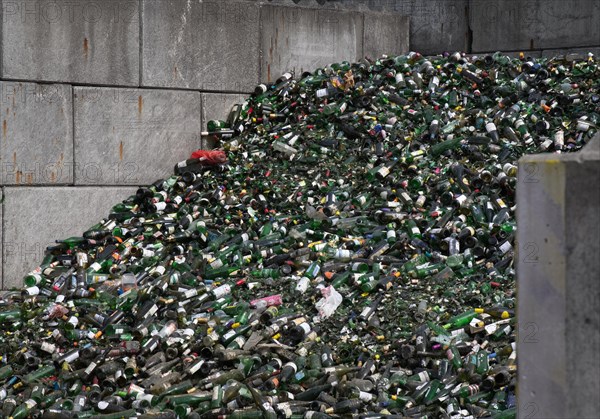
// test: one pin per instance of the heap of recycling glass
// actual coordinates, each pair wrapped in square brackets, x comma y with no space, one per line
[354,256]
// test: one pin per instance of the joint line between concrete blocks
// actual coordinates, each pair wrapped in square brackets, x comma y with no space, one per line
[1,45]
[120,86]
[73,131]
[141,44]
[362,37]
[260,47]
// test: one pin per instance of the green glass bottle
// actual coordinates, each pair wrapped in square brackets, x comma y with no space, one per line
[23,410]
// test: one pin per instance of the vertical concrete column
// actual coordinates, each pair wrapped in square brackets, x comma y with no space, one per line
[558,268]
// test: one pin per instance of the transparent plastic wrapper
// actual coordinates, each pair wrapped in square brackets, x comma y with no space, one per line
[331,300]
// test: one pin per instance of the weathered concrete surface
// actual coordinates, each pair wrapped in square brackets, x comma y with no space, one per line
[385,33]
[86,41]
[534,24]
[208,45]
[559,294]
[217,106]
[38,216]
[435,25]
[37,133]
[305,39]
[132,136]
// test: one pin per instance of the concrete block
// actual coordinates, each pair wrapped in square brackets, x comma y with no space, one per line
[534,24]
[37,133]
[206,45]
[305,39]
[559,294]
[217,106]
[436,26]
[88,41]
[40,215]
[385,33]
[132,136]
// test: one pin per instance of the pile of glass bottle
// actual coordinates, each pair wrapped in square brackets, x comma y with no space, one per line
[387,184]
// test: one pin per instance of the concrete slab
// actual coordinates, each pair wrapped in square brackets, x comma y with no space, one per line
[37,134]
[385,33]
[40,215]
[436,26]
[87,41]
[206,45]
[300,39]
[534,24]
[132,136]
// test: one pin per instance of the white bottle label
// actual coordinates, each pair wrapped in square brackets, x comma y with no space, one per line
[90,368]
[196,367]
[222,291]
[302,285]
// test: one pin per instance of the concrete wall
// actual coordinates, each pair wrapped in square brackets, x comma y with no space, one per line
[98,97]
[487,25]
[559,292]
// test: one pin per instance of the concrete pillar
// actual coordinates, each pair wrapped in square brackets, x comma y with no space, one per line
[558,268]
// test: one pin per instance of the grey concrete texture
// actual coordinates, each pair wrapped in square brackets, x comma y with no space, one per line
[37,133]
[385,33]
[217,106]
[206,45]
[435,25]
[85,41]
[35,217]
[294,39]
[559,294]
[305,39]
[302,39]
[132,136]
[534,24]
